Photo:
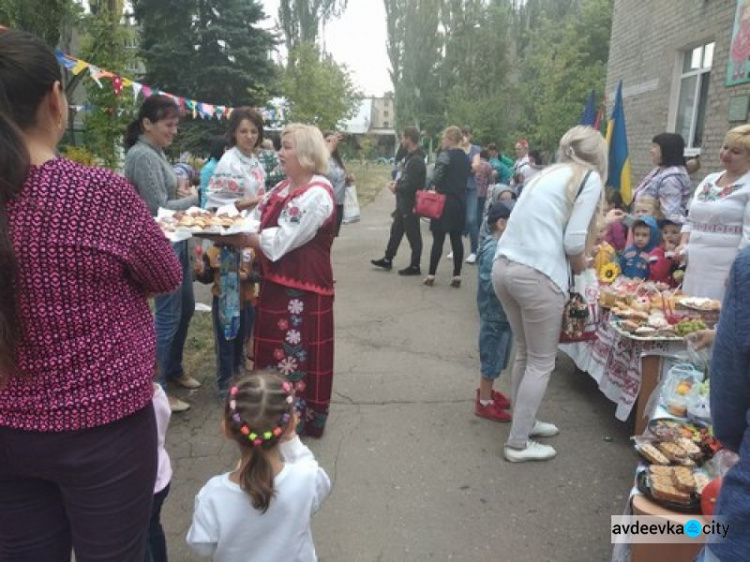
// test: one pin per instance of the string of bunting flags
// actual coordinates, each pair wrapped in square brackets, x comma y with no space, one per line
[273,113]
[197,108]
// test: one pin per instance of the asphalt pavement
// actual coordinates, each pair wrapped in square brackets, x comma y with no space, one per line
[417,476]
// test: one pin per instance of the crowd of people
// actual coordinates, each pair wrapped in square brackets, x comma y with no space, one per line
[85,362]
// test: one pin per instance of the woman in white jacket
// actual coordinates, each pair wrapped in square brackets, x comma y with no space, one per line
[552,224]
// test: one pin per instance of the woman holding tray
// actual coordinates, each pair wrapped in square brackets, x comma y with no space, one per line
[147,168]
[79,253]
[294,324]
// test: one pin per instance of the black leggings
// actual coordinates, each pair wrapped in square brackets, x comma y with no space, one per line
[457,245]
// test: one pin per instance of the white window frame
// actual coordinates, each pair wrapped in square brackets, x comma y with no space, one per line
[679,77]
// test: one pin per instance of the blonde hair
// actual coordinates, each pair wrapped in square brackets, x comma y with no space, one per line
[310,146]
[582,149]
[453,134]
[740,136]
[651,202]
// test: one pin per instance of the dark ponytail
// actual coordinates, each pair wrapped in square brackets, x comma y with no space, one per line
[154,108]
[28,71]
[260,404]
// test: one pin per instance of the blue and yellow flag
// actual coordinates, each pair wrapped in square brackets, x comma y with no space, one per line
[619,158]
[589,111]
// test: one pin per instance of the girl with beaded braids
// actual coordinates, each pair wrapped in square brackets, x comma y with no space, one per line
[284,481]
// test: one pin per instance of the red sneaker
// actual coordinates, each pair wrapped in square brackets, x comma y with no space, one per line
[492,412]
[500,400]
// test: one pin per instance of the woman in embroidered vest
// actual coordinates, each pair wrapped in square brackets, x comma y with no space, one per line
[718,224]
[294,322]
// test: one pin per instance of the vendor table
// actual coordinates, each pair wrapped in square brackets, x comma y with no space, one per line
[641,505]
[626,370]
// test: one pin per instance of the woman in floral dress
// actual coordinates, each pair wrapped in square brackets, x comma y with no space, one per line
[294,322]
[718,225]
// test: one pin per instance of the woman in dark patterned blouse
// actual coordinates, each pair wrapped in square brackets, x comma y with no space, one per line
[79,253]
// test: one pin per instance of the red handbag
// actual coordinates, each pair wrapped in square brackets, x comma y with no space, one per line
[429,204]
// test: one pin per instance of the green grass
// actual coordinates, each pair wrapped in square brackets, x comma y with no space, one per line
[198,359]
[370,179]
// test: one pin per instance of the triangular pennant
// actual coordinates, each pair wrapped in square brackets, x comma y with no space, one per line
[208,110]
[146,91]
[137,86]
[64,60]
[94,72]
[117,85]
[79,67]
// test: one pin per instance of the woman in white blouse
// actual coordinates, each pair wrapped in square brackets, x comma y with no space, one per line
[718,224]
[553,225]
[294,322]
[239,177]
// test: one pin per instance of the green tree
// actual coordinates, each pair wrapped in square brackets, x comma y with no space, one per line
[301,19]
[104,42]
[209,50]
[319,91]
[565,60]
[414,51]
[51,20]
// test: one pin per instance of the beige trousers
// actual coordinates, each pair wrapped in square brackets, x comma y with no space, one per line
[534,306]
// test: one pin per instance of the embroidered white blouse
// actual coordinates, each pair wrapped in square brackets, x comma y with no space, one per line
[299,221]
[236,177]
[719,227]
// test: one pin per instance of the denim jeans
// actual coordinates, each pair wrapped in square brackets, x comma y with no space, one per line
[495,343]
[172,320]
[472,226]
[229,353]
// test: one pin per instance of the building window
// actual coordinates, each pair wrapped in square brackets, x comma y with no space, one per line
[386,124]
[691,104]
[385,114]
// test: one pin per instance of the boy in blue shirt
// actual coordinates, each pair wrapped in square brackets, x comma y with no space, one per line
[495,335]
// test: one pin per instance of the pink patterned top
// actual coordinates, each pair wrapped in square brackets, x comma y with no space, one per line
[88,253]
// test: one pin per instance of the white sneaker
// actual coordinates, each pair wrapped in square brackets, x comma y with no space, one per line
[533,452]
[472,258]
[543,429]
[449,256]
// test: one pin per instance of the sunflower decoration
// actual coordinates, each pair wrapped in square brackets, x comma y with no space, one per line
[609,272]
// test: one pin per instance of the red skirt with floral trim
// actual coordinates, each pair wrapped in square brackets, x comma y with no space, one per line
[294,335]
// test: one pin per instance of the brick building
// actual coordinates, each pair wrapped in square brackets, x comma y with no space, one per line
[673,58]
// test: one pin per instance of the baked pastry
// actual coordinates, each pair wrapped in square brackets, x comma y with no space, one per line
[645,331]
[690,447]
[683,479]
[186,221]
[656,470]
[652,454]
[663,491]
[673,451]
[629,325]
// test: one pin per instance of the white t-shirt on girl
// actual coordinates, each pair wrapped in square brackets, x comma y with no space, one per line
[227,528]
